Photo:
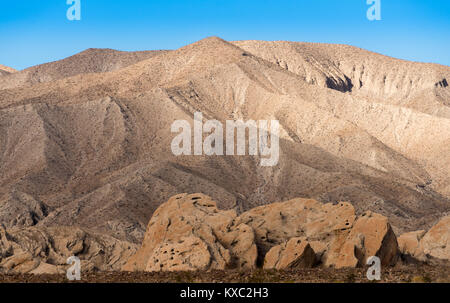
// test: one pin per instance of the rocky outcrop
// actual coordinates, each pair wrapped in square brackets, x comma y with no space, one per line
[371,235]
[46,250]
[189,232]
[335,236]
[319,223]
[436,242]
[18,209]
[296,253]
[408,243]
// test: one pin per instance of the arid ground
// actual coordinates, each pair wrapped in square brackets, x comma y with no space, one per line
[407,274]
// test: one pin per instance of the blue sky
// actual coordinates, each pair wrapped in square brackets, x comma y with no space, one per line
[37,31]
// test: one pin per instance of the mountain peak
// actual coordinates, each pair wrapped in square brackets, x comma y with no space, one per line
[7,69]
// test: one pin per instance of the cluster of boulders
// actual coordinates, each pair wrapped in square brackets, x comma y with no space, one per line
[433,245]
[39,250]
[190,233]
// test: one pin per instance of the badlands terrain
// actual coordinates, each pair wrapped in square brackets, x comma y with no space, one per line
[85,160]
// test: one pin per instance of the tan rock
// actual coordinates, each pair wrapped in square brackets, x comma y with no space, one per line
[331,229]
[193,224]
[45,250]
[436,242]
[47,269]
[408,243]
[19,263]
[296,253]
[188,254]
[371,235]
[345,251]
[240,240]
[277,223]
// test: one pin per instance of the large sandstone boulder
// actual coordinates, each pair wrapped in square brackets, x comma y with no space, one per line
[276,223]
[435,244]
[189,232]
[296,253]
[187,254]
[371,235]
[45,250]
[334,235]
[408,243]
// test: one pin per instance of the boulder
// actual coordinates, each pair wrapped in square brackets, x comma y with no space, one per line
[190,233]
[408,243]
[187,254]
[371,235]
[330,229]
[277,223]
[435,243]
[295,253]
[39,250]
[200,236]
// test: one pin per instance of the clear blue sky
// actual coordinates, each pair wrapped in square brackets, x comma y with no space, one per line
[37,31]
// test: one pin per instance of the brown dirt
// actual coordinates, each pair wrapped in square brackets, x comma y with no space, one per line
[401,274]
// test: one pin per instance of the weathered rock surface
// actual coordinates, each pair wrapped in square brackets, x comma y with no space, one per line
[278,222]
[189,232]
[45,250]
[436,242]
[427,246]
[335,236]
[371,235]
[21,210]
[296,253]
[408,243]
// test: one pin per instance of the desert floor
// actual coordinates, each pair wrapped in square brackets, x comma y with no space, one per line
[399,274]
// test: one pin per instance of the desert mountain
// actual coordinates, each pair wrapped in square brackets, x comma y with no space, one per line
[89,61]
[5,70]
[86,141]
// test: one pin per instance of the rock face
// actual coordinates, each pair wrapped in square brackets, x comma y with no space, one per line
[436,242]
[189,232]
[372,235]
[408,243]
[296,253]
[45,250]
[21,210]
[278,222]
[331,229]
